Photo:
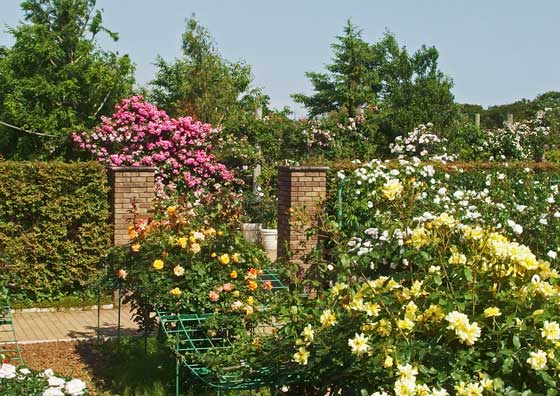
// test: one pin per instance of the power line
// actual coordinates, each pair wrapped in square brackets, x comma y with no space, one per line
[30,132]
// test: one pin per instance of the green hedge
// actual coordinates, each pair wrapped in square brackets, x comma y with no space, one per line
[53,226]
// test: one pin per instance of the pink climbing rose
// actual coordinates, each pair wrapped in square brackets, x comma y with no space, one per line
[139,134]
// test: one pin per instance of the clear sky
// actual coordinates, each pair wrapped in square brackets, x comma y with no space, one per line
[496,51]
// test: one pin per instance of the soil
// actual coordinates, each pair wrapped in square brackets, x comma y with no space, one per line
[71,359]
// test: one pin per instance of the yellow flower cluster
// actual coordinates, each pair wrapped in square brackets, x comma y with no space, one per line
[419,238]
[467,332]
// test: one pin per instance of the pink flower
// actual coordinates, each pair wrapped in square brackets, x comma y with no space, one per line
[213,296]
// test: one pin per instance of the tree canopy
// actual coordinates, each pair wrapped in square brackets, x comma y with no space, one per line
[202,83]
[55,79]
[408,89]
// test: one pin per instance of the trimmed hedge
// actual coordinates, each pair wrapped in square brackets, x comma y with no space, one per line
[54,226]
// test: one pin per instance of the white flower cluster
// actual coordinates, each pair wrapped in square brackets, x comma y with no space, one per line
[56,386]
[421,142]
[518,140]
[434,191]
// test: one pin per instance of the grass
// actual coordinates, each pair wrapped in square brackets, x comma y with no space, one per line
[134,368]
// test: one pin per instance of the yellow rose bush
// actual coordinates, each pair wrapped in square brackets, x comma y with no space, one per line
[417,303]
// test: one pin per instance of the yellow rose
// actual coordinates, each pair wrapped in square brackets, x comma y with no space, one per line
[195,248]
[235,257]
[182,242]
[176,292]
[172,210]
[157,264]
[135,247]
[392,189]
[224,259]
[492,312]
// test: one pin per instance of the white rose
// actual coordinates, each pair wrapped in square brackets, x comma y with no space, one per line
[75,387]
[53,392]
[55,381]
[7,371]
[552,254]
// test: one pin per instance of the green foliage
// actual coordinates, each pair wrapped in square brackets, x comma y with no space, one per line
[202,84]
[55,79]
[495,116]
[53,226]
[408,89]
[467,142]
[352,80]
[418,294]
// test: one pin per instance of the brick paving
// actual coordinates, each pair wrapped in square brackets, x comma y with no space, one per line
[34,327]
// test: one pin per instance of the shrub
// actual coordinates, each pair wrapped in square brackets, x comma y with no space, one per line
[184,261]
[424,297]
[139,134]
[17,381]
[53,226]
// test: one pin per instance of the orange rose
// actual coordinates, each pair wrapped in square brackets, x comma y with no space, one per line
[252,285]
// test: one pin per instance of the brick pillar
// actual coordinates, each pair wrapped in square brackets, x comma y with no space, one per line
[128,185]
[304,189]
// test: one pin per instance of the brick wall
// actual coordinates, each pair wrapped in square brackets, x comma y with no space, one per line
[302,189]
[129,185]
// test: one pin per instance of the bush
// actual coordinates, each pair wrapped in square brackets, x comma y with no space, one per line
[17,381]
[139,134]
[184,261]
[429,288]
[53,226]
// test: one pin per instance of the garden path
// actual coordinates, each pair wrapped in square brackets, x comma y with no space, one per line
[36,327]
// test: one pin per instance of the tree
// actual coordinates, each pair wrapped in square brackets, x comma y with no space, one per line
[408,89]
[352,80]
[55,79]
[415,90]
[202,83]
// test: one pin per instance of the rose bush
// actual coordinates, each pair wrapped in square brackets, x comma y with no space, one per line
[139,134]
[423,297]
[183,260]
[18,381]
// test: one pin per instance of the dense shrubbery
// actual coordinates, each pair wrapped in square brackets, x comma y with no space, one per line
[53,226]
[428,289]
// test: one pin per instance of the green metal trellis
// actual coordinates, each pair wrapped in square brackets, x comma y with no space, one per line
[190,338]
[9,346]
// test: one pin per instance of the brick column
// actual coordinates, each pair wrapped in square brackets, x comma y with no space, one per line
[303,189]
[129,185]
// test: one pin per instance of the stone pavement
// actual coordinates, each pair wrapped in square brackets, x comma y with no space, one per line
[34,327]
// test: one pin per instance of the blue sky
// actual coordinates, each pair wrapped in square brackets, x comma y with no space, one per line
[496,51]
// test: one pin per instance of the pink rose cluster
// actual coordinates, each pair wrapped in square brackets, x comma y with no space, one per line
[139,134]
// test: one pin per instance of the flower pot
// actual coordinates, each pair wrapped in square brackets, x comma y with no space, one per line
[269,238]
[250,232]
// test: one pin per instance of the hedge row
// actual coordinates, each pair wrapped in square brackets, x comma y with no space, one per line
[54,226]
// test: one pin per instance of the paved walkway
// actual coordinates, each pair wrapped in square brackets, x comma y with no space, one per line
[33,327]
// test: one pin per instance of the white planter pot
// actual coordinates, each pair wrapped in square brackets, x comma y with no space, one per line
[250,232]
[269,238]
